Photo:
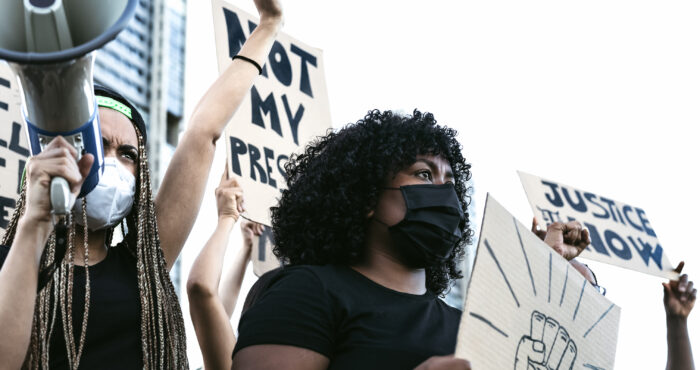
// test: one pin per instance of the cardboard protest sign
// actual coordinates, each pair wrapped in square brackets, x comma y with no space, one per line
[621,234]
[286,107]
[263,258]
[528,308]
[13,144]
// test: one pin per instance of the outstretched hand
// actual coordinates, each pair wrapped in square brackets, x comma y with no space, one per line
[568,239]
[679,295]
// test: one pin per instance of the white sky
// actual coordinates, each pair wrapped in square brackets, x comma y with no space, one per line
[600,95]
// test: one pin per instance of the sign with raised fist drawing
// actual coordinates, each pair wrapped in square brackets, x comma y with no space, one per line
[527,308]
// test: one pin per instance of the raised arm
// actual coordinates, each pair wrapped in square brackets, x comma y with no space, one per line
[20,270]
[231,286]
[568,240]
[180,194]
[679,299]
[211,322]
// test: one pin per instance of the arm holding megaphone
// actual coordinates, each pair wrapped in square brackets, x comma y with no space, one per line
[180,194]
[21,268]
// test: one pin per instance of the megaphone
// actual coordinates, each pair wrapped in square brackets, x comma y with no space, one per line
[49,45]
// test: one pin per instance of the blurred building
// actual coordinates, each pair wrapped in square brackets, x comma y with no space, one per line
[146,63]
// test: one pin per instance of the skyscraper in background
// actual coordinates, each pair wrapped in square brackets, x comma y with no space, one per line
[146,63]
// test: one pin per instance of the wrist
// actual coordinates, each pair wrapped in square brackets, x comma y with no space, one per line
[272,23]
[227,221]
[33,234]
[676,320]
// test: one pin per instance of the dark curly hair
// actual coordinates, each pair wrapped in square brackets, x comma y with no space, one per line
[321,217]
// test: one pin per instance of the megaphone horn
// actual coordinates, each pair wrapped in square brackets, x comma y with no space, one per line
[52,58]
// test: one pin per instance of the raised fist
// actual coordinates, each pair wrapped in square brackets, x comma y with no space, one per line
[548,347]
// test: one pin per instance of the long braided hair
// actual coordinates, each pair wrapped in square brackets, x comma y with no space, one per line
[163,343]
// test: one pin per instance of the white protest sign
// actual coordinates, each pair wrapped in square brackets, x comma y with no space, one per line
[13,143]
[263,258]
[286,107]
[621,234]
[528,308]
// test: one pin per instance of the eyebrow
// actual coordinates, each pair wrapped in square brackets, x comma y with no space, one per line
[128,147]
[107,142]
[433,167]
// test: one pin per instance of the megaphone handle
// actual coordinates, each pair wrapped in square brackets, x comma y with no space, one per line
[61,197]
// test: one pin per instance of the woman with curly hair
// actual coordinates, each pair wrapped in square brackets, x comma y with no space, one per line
[104,306]
[370,229]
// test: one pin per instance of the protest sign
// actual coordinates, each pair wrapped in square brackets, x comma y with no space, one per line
[529,308]
[621,234]
[263,258]
[286,107]
[13,144]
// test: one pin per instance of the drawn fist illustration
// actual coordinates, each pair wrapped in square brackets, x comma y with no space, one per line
[548,347]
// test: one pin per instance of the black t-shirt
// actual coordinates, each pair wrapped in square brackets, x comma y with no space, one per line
[355,322]
[113,338]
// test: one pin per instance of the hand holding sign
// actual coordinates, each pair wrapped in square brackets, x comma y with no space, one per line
[679,295]
[547,348]
[620,234]
[229,197]
[269,9]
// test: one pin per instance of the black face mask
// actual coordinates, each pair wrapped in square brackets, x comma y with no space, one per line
[431,227]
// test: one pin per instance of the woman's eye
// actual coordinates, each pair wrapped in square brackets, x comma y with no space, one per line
[425,175]
[130,156]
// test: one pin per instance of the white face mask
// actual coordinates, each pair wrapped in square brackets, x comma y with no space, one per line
[111,200]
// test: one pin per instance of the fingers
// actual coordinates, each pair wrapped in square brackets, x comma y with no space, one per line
[85,164]
[224,176]
[551,328]
[689,292]
[558,348]
[528,350]
[536,229]
[567,360]
[59,142]
[537,325]
[680,266]
[683,283]
[575,234]
[65,167]
[259,229]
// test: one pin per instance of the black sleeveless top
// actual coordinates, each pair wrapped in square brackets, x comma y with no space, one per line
[113,338]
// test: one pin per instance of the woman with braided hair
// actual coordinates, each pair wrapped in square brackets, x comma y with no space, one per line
[107,306]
